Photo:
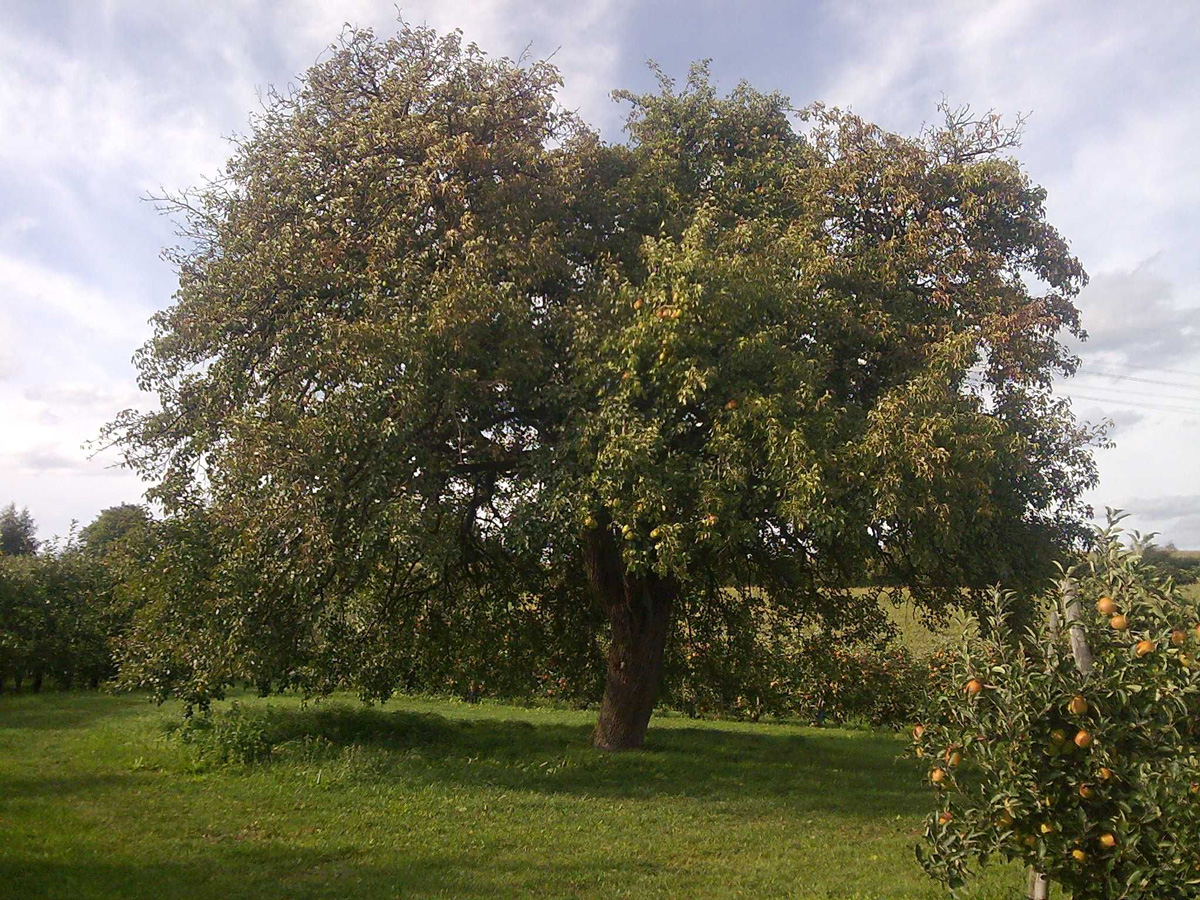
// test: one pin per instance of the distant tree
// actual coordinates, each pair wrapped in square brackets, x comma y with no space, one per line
[18,532]
[112,524]
[438,349]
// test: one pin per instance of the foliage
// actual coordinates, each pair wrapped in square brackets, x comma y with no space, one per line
[233,737]
[758,663]
[18,532]
[51,625]
[1181,565]
[116,523]
[60,614]
[1091,778]
[437,348]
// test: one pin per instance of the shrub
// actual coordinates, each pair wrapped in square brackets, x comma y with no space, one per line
[1090,779]
[234,736]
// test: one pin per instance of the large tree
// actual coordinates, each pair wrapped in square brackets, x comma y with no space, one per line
[438,348]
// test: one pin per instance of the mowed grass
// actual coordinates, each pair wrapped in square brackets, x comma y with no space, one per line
[426,798]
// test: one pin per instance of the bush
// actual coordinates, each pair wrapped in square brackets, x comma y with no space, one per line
[1090,779]
[234,736]
[239,735]
[864,684]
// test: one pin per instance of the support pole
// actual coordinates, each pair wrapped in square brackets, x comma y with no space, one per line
[1039,885]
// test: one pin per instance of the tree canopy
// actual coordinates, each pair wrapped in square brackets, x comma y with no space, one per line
[437,348]
[18,532]
[112,524]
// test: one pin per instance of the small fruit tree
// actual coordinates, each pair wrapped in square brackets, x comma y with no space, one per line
[1091,779]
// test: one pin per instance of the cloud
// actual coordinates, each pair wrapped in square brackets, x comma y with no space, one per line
[1184,533]
[1123,419]
[1167,508]
[1134,317]
[66,115]
[36,290]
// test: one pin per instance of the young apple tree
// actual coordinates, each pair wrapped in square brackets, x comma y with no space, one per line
[1076,750]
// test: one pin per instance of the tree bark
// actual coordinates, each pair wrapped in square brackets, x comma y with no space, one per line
[639,610]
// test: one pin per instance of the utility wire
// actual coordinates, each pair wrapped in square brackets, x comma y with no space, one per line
[1154,395]
[1137,403]
[1150,368]
[1120,377]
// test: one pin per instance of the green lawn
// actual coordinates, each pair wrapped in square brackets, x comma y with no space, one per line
[426,798]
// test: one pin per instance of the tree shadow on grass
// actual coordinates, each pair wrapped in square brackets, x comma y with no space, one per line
[858,774]
[271,871]
[57,710]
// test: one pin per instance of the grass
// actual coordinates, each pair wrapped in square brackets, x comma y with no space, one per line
[435,799]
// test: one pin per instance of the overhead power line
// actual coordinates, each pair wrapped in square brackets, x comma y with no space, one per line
[1119,377]
[1140,404]
[1112,389]
[1143,367]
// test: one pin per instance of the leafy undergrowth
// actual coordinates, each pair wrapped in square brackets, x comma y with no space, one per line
[110,797]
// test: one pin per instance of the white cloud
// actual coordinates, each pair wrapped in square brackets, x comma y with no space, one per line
[70,118]
[1133,317]
[36,290]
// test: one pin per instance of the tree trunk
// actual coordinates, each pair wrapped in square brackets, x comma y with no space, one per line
[639,610]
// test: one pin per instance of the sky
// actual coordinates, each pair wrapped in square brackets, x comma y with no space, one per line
[108,102]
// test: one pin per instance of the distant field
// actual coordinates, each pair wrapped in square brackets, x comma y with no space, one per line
[434,799]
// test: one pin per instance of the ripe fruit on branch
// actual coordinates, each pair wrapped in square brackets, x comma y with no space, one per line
[1119,622]
[1085,791]
[917,732]
[1046,828]
[973,687]
[1145,648]
[1078,855]
[1106,605]
[1083,740]
[937,776]
[1108,840]
[1178,638]
[945,818]
[1105,773]
[731,405]
[1078,706]
[953,758]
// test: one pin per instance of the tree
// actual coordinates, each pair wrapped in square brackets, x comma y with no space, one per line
[113,524]
[1080,746]
[437,348]
[18,533]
